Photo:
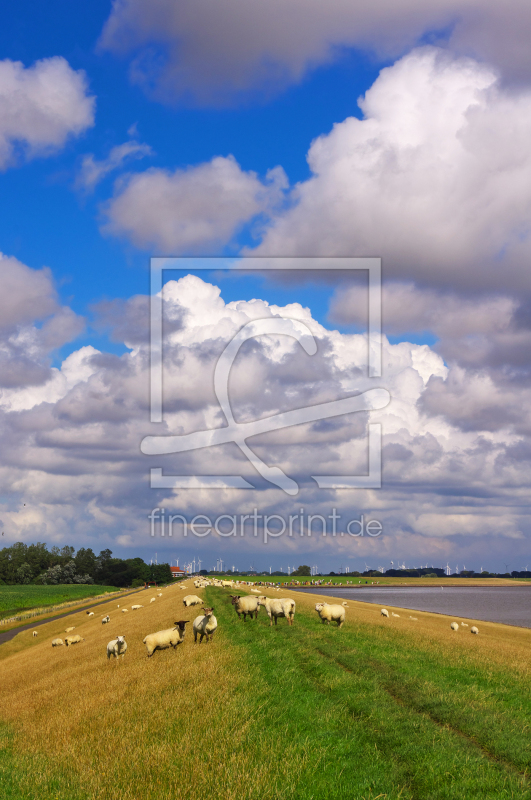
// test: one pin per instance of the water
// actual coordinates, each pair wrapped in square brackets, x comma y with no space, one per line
[508,604]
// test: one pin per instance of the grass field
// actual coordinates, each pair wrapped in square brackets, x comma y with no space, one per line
[14,599]
[382,708]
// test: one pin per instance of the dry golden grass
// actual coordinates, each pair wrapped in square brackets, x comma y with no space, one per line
[175,725]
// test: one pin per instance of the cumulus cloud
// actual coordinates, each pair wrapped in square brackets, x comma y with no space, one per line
[436,178]
[213,51]
[197,209]
[40,107]
[93,171]
[73,447]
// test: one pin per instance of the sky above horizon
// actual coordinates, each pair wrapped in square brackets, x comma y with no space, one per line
[279,130]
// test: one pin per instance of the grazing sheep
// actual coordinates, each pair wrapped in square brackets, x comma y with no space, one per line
[330,613]
[464,624]
[245,605]
[105,620]
[134,608]
[73,639]
[67,630]
[278,608]
[117,647]
[152,599]
[454,626]
[90,613]
[170,637]
[205,625]
[124,610]
[394,615]
[473,629]
[384,612]
[34,633]
[57,642]
[192,600]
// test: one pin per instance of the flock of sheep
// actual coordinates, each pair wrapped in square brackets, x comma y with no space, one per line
[454,625]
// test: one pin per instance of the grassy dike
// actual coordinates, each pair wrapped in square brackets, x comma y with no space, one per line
[380,708]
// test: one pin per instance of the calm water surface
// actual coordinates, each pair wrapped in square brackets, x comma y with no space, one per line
[508,604]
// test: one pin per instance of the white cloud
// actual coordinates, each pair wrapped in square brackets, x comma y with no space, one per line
[436,178]
[214,50]
[93,171]
[188,210]
[40,107]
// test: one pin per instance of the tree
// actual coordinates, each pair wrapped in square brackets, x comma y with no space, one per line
[304,569]
[24,573]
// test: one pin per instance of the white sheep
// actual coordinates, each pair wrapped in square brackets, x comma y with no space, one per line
[413,618]
[159,594]
[278,608]
[245,605]
[124,611]
[205,625]
[57,642]
[192,600]
[73,639]
[34,633]
[134,608]
[256,591]
[473,629]
[464,624]
[384,612]
[67,630]
[117,647]
[395,615]
[171,637]
[152,599]
[331,613]
[90,613]
[105,620]
[344,603]
[454,626]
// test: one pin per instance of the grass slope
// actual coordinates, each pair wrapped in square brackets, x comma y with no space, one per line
[380,708]
[14,599]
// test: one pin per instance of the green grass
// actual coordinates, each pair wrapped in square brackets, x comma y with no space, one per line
[375,714]
[14,599]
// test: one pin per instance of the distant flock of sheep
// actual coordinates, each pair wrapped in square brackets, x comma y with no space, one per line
[205,625]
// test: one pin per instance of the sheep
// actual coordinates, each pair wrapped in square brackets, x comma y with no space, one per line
[413,618]
[344,603]
[464,624]
[124,611]
[34,633]
[57,642]
[473,629]
[192,600]
[159,594]
[67,630]
[170,637]
[105,620]
[73,639]
[118,606]
[454,626]
[90,613]
[245,605]
[384,612]
[205,625]
[152,599]
[256,591]
[278,608]
[395,615]
[117,647]
[330,613]
[134,608]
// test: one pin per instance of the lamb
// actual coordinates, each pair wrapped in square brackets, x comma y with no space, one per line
[192,600]
[57,642]
[134,608]
[205,625]
[473,629]
[117,647]
[384,612]
[34,633]
[170,637]
[245,605]
[330,613]
[278,608]
[454,626]
[105,620]
[73,639]
[67,630]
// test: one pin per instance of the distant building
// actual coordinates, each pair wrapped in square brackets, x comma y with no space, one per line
[177,572]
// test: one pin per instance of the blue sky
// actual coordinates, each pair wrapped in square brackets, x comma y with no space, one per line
[133,129]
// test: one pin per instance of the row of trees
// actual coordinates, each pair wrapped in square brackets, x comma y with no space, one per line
[35,563]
